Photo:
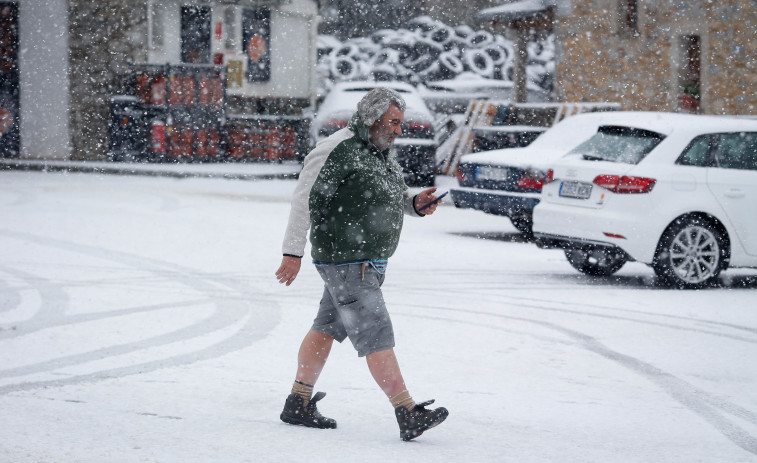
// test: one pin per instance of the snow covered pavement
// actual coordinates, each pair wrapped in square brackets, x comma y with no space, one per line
[140,321]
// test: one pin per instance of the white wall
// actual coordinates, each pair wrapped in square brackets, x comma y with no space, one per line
[43,69]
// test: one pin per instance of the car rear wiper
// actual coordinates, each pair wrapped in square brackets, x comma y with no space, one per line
[591,157]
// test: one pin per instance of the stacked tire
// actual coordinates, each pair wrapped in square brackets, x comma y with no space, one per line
[429,50]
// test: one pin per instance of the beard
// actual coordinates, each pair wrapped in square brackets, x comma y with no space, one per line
[384,142]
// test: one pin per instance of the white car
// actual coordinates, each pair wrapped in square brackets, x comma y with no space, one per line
[509,181]
[674,191]
[416,148]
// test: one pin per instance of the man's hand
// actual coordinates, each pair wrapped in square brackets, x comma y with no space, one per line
[425,197]
[290,267]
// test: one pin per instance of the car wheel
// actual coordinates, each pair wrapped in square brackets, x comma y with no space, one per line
[595,262]
[691,254]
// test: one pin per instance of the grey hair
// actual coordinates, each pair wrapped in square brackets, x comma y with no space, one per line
[376,103]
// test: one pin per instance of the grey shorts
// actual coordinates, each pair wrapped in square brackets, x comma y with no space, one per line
[352,305]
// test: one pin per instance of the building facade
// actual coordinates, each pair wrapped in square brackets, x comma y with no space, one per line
[61,61]
[695,56]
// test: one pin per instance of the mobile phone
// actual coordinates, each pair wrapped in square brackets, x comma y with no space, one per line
[438,198]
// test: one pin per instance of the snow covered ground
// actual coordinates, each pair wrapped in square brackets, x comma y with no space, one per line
[140,321]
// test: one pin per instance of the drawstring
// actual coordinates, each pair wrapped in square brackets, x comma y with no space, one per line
[362,271]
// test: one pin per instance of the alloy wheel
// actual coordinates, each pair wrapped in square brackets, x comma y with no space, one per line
[694,254]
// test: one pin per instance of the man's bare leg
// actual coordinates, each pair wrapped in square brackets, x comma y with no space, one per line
[386,372]
[314,351]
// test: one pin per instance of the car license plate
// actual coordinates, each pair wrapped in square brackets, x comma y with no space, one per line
[491,173]
[576,190]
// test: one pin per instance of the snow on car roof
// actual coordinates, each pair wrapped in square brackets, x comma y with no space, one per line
[556,141]
[666,123]
[344,96]
[570,132]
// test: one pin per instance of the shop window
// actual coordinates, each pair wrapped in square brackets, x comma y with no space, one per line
[9,80]
[689,75]
[256,40]
[628,12]
[195,34]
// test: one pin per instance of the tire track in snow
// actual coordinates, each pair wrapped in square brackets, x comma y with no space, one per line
[485,281]
[502,299]
[53,299]
[712,409]
[236,309]
[10,299]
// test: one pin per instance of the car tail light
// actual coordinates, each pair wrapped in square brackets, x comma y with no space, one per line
[531,180]
[625,184]
[460,175]
[331,126]
[337,123]
[417,125]
[550,177]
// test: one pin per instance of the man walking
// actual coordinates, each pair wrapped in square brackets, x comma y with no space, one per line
[352,197]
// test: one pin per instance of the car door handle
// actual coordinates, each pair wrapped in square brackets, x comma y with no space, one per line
[734,193]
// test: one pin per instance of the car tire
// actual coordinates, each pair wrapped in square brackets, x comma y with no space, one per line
[691,254]
[596,262]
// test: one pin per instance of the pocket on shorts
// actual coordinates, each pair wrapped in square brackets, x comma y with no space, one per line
[335,273]
[344,273]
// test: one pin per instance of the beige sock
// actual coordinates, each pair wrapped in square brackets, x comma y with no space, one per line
[303,390]
[403,399]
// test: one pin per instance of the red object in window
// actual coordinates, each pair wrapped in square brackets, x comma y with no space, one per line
[218,59]
[625,184]
[204,93]
[689,103]
[256,47]
[158,137]
[219,30]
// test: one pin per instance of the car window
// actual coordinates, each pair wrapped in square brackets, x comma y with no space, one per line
[619,144]
[737,151]
[697,153]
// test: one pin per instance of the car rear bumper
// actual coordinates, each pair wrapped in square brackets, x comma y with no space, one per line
[548,241]
[497,203]
[566,227]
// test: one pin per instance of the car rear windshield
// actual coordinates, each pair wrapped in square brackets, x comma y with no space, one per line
[619,144]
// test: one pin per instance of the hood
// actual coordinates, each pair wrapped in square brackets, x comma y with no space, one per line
[359,128]
[361,131]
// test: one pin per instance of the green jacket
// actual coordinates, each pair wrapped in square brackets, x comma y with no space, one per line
[357,202]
